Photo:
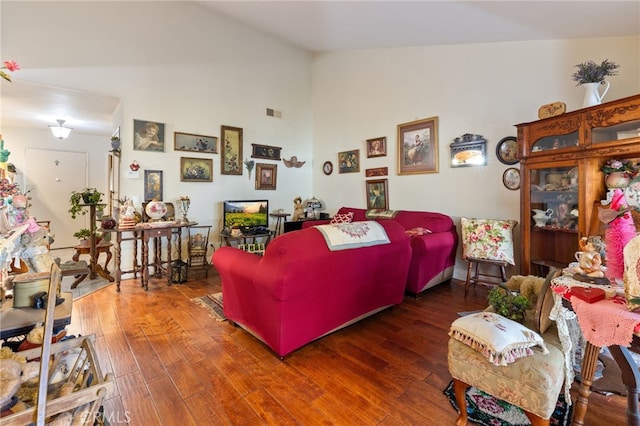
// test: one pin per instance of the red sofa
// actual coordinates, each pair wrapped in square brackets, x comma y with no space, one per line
[433,254]
[300,290]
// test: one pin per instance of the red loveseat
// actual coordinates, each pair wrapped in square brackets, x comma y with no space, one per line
[433,254]
[300,290]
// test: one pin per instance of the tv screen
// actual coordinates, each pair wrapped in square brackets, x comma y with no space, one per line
[246,213]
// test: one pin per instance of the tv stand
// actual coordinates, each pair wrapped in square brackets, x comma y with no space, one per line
[262,236]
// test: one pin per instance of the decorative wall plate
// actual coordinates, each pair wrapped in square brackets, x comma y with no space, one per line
[327,168]
[511,178]
[507,150]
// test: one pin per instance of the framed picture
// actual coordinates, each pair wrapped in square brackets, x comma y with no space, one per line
[265,152]
[148,136]
[418,147]
[195,143]
[378,171]
[266,175]
[377,194]
[196,169]
[153,185]
[511,178]
[349,161]
[469,150]
[507,150]
[377,147]
[231,150]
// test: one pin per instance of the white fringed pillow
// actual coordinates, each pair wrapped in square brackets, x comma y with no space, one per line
[341,218]
[499,339]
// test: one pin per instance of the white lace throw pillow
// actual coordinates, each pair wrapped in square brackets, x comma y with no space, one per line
[499,339]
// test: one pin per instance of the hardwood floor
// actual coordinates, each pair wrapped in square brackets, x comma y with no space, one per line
[174,365]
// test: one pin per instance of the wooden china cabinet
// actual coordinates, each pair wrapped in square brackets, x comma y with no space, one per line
[561,182]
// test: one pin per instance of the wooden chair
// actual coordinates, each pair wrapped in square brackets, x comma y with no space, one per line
[487,243]
[197,248]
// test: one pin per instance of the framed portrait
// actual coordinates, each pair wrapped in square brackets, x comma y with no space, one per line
[231,150]
[148,136]
[153,185]
[377,194]
[418,146]
[511,178]
[265,152]
[468,151]
[196,169]
[507,150]
[349,161]
[376,147]
[266,176]
[378,171]
[195,143]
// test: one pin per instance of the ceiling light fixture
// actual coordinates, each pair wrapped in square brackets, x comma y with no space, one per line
[60,131]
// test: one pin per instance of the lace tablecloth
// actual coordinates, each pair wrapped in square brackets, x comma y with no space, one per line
[604,323]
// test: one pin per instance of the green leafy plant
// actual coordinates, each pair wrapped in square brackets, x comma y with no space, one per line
[78,199]
[508,304]
[83,234]
[590,72]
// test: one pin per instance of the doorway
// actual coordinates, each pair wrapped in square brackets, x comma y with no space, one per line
[51,177]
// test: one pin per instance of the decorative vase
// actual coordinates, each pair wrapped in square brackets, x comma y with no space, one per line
[617,180]
[108,223]
[592,95]
[156,210]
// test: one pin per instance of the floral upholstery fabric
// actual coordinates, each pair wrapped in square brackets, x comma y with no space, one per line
[490,239]
[532,383]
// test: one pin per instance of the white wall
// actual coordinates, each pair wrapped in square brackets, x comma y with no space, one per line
[176,63]
[481,89]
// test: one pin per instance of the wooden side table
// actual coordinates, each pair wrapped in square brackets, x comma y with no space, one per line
[279,221]
[99,248]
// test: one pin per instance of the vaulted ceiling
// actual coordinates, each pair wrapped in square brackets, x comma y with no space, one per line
[323,26]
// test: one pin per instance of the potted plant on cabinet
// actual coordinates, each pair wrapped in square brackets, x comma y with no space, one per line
[80,198]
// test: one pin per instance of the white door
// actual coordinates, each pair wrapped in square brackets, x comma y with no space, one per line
[51,177]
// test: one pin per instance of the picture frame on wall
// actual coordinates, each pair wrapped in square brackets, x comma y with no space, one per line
[377,194]
[153,185]
[230,150]
[265,152]
[196,169]
[266,176]
[349,161]
[376,147]
[148,136]
[195,143]
[377,171]
[418,146]
[507,150]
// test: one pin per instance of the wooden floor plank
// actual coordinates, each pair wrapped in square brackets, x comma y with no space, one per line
[174,364]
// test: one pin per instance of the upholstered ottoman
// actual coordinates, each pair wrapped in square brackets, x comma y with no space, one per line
[510,361]
[532,383]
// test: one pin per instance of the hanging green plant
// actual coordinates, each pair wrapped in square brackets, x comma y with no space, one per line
[78,200]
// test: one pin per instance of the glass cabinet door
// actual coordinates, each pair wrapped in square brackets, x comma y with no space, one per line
[554,215]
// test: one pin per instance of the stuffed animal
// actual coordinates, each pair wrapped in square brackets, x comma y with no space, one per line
[298,211]
[35,252]
[528,286]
